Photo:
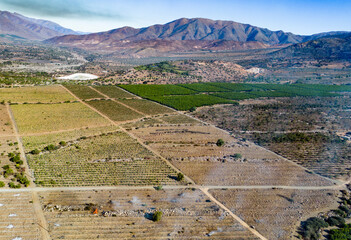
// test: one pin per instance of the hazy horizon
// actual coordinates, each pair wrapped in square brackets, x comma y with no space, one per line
[299,17]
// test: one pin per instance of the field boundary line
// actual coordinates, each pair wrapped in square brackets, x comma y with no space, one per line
[42,223]
[134,137]
[116,101]
[237,218]
[61,131]
[20,146]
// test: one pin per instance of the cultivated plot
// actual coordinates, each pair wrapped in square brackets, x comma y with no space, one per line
[41,118]
[276,213]
[187,214]
[83,92]
[18,218]
[115,111]
[43,94]
[105,159]
[146,107]
[114,92]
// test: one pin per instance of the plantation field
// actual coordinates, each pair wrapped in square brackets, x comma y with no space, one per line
[5,122]
[43,94]
[41,141]
[324,154]
[114,92]
[114,110]
[179,119]
[83,92]
[40,118]
[146,107]
[157,90]
[18,218]
[276,213]
[188,96]
[105,159]
[212,171]
[187,102]
[126,214]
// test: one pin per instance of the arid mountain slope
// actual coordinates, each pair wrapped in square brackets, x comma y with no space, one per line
[14,24]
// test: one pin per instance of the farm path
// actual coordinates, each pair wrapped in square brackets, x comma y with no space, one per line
[42,223]
[20,146]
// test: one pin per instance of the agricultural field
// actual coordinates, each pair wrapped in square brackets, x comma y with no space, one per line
[83,92]
[5,121]
[115,92]
[146,107]
[55,117]
[39,94]
[107,159]
[115,111]
[18,217]
[126,214]
[324,154]
[276,213]
[188,96]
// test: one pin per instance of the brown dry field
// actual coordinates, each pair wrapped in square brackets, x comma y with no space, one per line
[5,122]
[192,149]
[17,217]
[124,214]
[255,172]
[276,213]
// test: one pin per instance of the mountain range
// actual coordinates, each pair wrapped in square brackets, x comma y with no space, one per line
[180,35]
[16,26]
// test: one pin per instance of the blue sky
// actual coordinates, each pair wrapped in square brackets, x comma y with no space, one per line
[297,16]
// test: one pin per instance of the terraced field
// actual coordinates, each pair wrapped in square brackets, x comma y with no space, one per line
[125,214]
[42,94]
[18,219]
[55,117]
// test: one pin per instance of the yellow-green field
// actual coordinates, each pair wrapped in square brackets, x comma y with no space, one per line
[41,118]
[43,94]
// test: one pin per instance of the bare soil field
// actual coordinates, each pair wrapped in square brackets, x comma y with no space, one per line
[275,213]
[193,150]
[258,172]
[53,117]
[126,214]
[5,122]
[18,218]
[43,94]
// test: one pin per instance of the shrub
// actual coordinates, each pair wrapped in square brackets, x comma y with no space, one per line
[237,156]
[335,221]
[180,177]
[50,148]
[2,184]
[35,152]
[13,185]
[156,217]
[311,227]
[220,142]
[63,143]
